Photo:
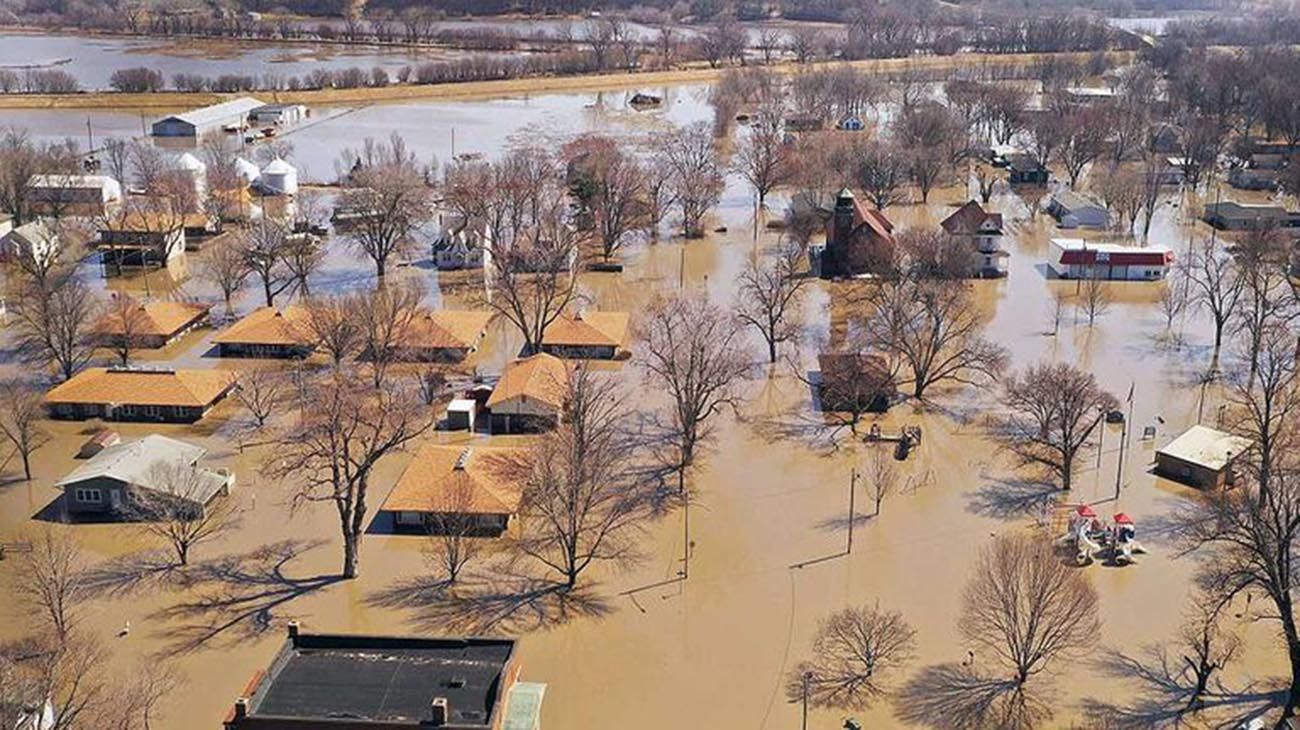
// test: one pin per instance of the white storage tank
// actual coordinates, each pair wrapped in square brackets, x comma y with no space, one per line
[197,171]
[247,171]
[279,178]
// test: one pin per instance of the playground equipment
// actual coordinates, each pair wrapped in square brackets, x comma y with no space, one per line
[1091,539]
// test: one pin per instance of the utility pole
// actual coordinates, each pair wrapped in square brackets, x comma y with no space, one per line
[853,490]
[1101,440]
[1123,440]
[806,676]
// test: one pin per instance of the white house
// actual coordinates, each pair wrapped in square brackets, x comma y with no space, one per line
[1075,258]
[119,478]
[1074,210]
[460,247]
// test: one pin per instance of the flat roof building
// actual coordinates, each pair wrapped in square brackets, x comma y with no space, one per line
[1202,457]
[1075,258]
[197,122]
[354,682]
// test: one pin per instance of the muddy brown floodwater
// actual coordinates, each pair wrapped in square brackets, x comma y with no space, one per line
[710,652]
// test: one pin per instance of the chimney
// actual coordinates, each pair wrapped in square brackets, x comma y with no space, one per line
[462,461]
[241,708]
[440,711]
[293,629]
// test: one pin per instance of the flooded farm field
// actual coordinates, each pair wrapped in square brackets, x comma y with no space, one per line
[714,650]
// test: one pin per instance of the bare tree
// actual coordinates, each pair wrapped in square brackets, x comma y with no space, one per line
[53,326]
[262,246]
[185,509]
[933,330]
[1083,140]
[1207,647]
[763,158]
[1054,409]
[386,316]
[261,391]
[610,184]
[22,411]
[1094,298]
[691,351]
[345,426]
[123,327]
[1027,606]
[51,581]
[882,173]
[223,264]
[855,653]
[452,529]
[881,477]
[532,282]
[580,506]
[333,324]
[934,254]
[387,182]
[1216,285]
[1267,298]
[695,179]
[770,298]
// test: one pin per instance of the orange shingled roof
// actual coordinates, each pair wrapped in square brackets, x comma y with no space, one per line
[447,329]
[157,319]
[269,326]
[588,329]
[541,377]
[195,388]
[433,483]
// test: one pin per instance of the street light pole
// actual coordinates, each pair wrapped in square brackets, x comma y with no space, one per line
[853,488]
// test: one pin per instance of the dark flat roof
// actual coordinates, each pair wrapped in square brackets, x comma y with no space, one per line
[383,679]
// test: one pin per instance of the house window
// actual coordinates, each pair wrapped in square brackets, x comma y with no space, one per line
[89,495]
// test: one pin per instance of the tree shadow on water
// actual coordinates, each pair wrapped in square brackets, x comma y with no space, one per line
[956,697]
[504,604]
[1011,498]
[126,575]
[1160,694]
[237,597]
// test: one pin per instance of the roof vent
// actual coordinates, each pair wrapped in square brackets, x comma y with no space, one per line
[462,461]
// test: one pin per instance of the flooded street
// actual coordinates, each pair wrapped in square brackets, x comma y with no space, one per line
[712,651]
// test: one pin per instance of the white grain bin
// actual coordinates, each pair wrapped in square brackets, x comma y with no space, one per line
[279,178]
[197,171]
[247,171]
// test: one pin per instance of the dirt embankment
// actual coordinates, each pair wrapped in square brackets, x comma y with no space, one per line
[536,85]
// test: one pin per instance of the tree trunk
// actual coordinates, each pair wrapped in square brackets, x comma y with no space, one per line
[351,547]
[1067,471]
[771,355]
[27,464]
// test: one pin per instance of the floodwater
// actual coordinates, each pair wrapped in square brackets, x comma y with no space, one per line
[712,651]
[93,59]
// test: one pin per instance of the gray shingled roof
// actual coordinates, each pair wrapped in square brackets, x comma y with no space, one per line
[132,463]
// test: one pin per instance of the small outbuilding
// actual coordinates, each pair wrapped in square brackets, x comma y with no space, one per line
[1202,457]
[279,115]
[854,382]
[1026,169]
[1075,210]
[87,195]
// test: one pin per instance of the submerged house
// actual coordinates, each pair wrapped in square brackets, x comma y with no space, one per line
[135,478]
[982,231]
[34,241]
[460,246]
[1201,457]
[1025,169]
[134,394]
[352,682]
[859,241]
[88,195]
[854,382]
[268,332]
[442,335]
[529,396]
[142,240]
[464,490]
[1232,216]
[1075,258]
[149,325]
[1075,210]
[587,335]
